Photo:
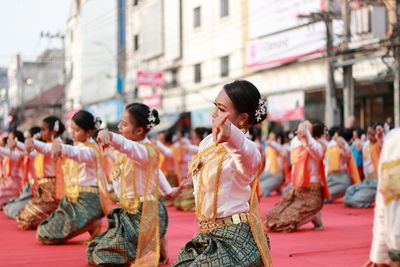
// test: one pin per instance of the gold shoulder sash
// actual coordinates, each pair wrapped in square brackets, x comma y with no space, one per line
[390,181]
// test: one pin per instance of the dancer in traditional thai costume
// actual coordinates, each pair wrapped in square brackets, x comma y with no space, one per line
[81,209]
[44,200]
[15,205]
[185,201]
[363,195]
[304,201]
[385,248]
[136,229]
[10,184]
[231,231]
[356,147]
[273,176]
[340,165]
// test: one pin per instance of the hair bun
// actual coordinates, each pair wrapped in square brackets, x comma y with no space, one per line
[97,123]
[152,119]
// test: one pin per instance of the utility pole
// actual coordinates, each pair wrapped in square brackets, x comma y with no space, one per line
[348,81]
[396,85]
[331,110]
[330,90]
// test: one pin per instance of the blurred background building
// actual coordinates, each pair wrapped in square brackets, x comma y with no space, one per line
[324,59]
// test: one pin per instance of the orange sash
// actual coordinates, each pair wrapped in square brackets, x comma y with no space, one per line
[300,174]
[374,151]
[333,154]
[25,170]
[7,167]
[272,156]
[353,170]
[177,152]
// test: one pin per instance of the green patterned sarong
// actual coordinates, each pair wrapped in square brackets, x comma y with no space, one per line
[232,245]
[117,245]
[69,218]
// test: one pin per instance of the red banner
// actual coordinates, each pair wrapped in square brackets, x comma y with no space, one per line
[153,101]
[149,78]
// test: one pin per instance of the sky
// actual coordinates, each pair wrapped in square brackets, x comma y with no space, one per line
[22,21]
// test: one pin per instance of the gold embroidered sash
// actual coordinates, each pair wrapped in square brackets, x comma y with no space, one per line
[71,169]
[390,181]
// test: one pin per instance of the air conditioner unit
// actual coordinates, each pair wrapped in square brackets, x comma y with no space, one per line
[369,22]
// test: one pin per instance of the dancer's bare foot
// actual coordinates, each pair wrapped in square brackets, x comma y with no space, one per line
[317,221]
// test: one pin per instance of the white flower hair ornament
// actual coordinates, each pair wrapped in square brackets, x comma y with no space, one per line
[151,120]
[56,127]
[97,123]
[262,109]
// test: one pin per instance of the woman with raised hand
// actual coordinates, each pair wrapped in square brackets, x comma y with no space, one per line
[136,229]
[46,176]
[10,183]
[304,201]
[223,173]
[80,210]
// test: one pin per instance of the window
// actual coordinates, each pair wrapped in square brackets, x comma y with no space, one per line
[135,2]
[174,78]
[224,8]
[197,73]
[224,66]
[136,42]
[196,17]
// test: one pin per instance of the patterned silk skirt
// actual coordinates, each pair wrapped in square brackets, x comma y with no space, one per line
[185,201]
[39,207]
[70,218]
[9,188]
[361,195]
[297,207]
[231,245]
[15,205]
[117,245]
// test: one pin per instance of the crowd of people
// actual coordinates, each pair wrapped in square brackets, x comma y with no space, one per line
[63,190]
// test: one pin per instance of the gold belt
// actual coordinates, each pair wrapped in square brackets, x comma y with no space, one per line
[205,226]
[337,172]
[88,189]
[45,180]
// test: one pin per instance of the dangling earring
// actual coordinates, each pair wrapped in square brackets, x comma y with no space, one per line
[241,127]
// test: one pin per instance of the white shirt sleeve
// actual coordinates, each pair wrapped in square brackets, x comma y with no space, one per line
[192,149]
[165,187]
[315,148]
[80,154]
[166,151]
[132,149]
[244,153]
[13,154]
[41,147]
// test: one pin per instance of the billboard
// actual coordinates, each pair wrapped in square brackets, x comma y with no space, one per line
[150,78]
[288,46]
[271,16]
